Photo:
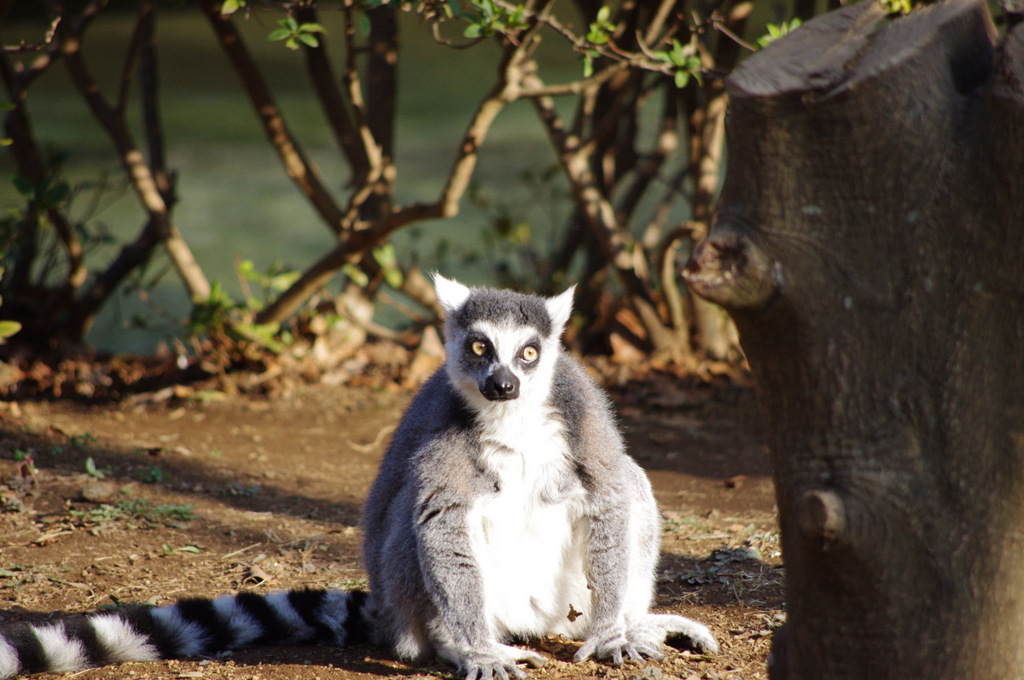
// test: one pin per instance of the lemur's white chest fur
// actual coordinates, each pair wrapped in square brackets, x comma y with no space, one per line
[527,537]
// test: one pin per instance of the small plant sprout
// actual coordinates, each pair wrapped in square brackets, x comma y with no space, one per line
[293,33]
[492,18]
[776,31]
[897,7]
[96,472]
[231,6]
[154,475]
[80,441]
[684,62]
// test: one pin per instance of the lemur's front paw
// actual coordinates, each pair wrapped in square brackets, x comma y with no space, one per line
[489,668]
[611,645]
[500,663]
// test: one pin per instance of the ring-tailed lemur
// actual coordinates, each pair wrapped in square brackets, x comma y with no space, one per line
[505,507]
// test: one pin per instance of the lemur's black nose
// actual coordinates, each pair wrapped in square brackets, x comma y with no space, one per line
[500,385]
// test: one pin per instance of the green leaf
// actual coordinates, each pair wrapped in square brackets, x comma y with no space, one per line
[24,186]
[486,8]
[518,18]
[230,7]
[188,549]
[588,65]
[604,14]
[388,261]
[899,6]
[309,40]
[384,255]
[8,328]
[247,269]
[473,31]
[311,27]
[777,31]
[393,277]
[678,54]
[279,34]
[56,194]
[283,281]
[356,275]
[682,79]
[262,334]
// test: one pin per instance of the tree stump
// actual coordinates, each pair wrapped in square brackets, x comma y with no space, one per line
[870,247]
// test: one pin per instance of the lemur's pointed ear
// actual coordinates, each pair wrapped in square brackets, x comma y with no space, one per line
[450,293]
[560,308]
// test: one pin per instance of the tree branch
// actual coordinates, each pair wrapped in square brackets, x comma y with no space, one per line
[332,102]
[29,161]
[599,211]
[142,25]
[648,167]
[129,258]
[39,45]
[131,159]
[621,250]
[382,85]
[354,88]
[305,176]
[151,108]
[354,243]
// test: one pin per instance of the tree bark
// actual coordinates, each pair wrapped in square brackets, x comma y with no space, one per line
[869,247]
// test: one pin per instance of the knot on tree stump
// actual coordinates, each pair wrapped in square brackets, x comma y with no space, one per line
[821,516]
[731,270]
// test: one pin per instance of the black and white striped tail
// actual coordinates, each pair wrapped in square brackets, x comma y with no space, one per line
[194,627]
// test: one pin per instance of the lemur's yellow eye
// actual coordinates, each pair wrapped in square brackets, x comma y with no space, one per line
[529,354]
[479,347]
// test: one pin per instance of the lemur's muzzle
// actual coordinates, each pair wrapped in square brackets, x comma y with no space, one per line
[501,385]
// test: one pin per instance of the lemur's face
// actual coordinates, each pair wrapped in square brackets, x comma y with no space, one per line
[501,345]
[499,358]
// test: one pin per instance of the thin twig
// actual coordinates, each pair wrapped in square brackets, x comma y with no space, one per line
[354,89]
[240,551]
[151,109]
[719,25]
[578,86]
[37,46]
[131,54]
[89,14]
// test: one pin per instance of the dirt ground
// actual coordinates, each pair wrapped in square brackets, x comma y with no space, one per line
[213,494]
